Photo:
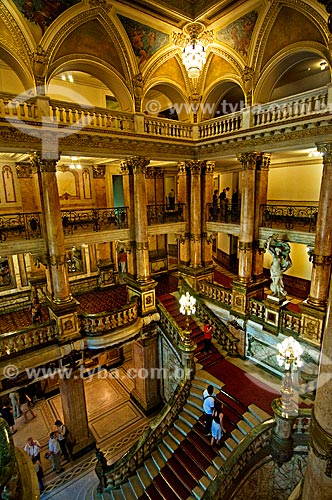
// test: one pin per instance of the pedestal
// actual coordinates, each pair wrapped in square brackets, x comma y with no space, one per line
[146,292]
[194,276]
[273,307]
[281,445]
[75,414]
[106,274]
[242,292]
[65,316]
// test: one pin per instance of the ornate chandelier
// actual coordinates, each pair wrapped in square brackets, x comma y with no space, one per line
[194,54]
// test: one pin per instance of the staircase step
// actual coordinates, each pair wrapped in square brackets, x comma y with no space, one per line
[182,473]
[193,410]
[250,419]
[208,379]
[176,435]
[231,444]
[196,401]
[188,419]
[127,492]
[260,414]
[143,476]
[170,443]
[211,472]
[244,427]
[174,482]
[166,454]
[201,443]
[218,462]
[136,486]
[151,468]
[153,494]
[158,459]
[237,435]
[118,495]
[189,463]
[200,459]
[224,452]
[164,489]
[182,426]
[204,482]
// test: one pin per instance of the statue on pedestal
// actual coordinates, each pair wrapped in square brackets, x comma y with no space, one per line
[280,250]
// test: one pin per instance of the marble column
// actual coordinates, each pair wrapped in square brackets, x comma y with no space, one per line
[207,194]
[184,197]
[75,413]
[143,285]
[318,476]
[62,306]
[195,168]
[261,184]
[145,372]
[128,188]
[248,161]
[322,256]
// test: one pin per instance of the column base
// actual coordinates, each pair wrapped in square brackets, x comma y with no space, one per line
[273,307]
[242,292]
[193,276]
[146,292]
[83,447]
[65,316]
[313,319]
[147,407]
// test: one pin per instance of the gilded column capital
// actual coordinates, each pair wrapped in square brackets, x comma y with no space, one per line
[137,164]
[154,173]
[263,161]
[326,149]
[98,171]
[248,160]
[195,166]
[23,170]
[181,168]
[40,164]
[321,443]
[209,167]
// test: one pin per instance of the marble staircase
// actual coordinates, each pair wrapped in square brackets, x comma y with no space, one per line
[184,464]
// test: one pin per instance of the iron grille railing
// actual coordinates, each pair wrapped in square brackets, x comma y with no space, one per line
[290,217]
[18,226]
[223,212]
[164,214]
[97,219]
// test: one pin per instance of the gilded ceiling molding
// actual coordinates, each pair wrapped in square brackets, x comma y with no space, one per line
[110,28]
[100,3]
[270,18]
[224,54]
[16,33]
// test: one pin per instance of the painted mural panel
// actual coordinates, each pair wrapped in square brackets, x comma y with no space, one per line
[43,12]
[144,40]
[238,34]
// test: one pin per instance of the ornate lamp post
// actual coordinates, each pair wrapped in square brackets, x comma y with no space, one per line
[285,409]
[289,355]
[187,346]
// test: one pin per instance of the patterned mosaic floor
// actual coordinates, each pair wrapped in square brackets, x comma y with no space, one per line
[114,420]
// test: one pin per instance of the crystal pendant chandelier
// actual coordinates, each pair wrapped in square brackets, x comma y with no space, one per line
[194,54]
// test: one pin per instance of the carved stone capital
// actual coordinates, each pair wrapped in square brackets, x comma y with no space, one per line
[209,167]
[195,166]
[182,168]
[98,171]
[23,170]
[248,160]
[245,246]
[326,149]
[39,164]
[136,164]
[263,161]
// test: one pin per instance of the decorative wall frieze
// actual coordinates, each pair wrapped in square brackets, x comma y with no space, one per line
[23,170]
[100,3]
[98,171]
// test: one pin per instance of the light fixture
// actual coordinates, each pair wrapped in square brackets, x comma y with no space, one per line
[194,54]
[289,355]
[68,77]
[187,307]
[323,65]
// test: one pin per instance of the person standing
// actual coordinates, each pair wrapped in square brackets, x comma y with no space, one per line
[217,428]
[32,448]
[62,432]
[208,405]
[7,413]
[26,406]
[123,261]
[40,473]
[208,331]
[55,451]
[15,402]
[171,200]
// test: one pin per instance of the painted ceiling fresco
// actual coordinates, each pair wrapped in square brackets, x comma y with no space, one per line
[238,34]
[145,40]
[43,12]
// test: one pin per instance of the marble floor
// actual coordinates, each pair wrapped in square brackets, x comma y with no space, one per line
[114,420]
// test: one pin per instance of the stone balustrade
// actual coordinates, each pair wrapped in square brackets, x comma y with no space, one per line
[307,105]
[27,338]
[169,325]
[104,322]
[256,310]
[216,292]
[291,321]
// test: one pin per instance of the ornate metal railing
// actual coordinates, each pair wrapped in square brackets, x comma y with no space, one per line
[165,214]
[97,219]
[104,322]
[119,472]
[289,217]
[18,226]
[223,212]
[27,338]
